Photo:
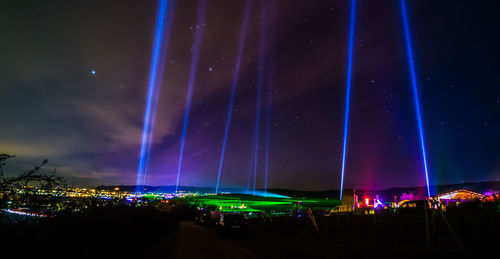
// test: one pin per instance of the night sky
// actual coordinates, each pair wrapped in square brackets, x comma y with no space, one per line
[52,106]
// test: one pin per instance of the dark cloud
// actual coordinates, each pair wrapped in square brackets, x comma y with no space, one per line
[52,106]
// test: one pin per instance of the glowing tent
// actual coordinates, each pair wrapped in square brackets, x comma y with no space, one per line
[460,195]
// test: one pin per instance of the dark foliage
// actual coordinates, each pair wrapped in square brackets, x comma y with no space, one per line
[30,177]
[23,190]
[102,231]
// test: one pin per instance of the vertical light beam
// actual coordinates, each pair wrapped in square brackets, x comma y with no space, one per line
[233,87]
[192,78]
[158,81]
[250,170]
[260,80]
[348,90]
[411,63]
[152,93]
[270,82]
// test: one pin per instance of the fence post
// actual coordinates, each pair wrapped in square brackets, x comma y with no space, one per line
[313,220]
[427,227]
[451,229]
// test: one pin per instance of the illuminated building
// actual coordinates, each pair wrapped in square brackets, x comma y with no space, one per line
[461,195]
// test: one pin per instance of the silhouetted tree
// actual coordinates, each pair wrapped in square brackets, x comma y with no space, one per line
[30,177]
[22,189]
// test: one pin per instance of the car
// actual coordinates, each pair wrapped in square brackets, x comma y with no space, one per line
[413,207]
[231,224]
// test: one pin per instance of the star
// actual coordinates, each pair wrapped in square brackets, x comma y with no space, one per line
[93,72]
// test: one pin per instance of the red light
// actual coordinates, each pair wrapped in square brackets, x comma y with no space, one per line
[367,201]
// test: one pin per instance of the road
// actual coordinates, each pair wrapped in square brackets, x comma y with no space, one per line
[195,241]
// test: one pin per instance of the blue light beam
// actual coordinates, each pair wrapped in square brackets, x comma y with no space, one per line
[348,90]
[152,93]
[270,84]
[192,78]
[250,170]
[233,87]
[260,80]
[156,94]
[411,63]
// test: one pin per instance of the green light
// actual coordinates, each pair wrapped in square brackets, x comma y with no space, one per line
[249,203]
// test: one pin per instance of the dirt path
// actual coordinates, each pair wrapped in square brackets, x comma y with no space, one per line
[195,241]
